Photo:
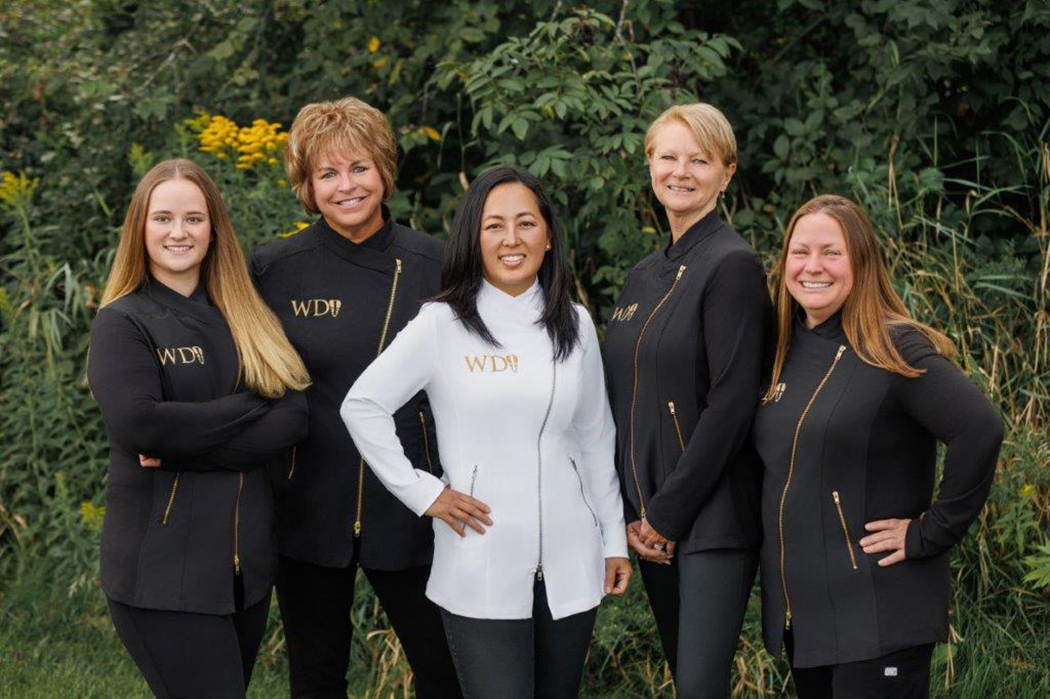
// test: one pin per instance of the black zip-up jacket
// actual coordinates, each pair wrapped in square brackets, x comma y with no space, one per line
[164,370]
[844,444]
[683,358]
[339,302]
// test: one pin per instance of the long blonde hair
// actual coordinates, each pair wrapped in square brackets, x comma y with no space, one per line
[872,306]
[269,365]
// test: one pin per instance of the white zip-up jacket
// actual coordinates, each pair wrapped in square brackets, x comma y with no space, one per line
[532,439]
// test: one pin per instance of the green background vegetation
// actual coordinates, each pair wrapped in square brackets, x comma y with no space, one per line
[935,114]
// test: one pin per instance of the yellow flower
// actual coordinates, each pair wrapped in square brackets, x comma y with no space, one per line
[373,44]
[92,515]
[300,225]
[223,138]
[1027,490]
[16,190]
[430,132]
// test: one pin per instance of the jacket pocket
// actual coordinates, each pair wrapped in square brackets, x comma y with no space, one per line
[845,528]
[171,498]
[677,427]
[291,469]
[426,441]
[583,492]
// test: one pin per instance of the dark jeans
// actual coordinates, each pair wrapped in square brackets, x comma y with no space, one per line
[903,674]
[182,654]
[316,602]
[520,658]
[699,603]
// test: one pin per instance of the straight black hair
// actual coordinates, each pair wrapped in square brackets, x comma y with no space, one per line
[463,270]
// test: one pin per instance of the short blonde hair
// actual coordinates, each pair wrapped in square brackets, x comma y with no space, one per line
[346,125]
[709,126]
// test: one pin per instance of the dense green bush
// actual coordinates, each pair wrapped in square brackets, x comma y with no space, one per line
[933,113]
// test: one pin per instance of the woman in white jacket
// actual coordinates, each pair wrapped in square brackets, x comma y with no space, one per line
[531,532]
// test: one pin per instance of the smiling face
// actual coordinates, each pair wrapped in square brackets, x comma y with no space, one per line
[348,191]
[513,238]
[817,271]
[686,178]
[178,234]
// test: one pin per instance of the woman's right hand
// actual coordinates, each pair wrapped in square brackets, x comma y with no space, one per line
[458,511]
[648,553]
[148,461]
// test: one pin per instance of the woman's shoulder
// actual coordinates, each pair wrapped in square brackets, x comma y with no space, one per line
[422,244]
[913,344]
[284,249]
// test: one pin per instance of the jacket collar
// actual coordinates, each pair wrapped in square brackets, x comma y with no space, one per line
[697,232]
[371,252]
[196,304]
[830,329]
[527,306]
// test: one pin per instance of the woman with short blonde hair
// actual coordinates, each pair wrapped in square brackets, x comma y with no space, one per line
[684,352]
[344,287]
[198,388]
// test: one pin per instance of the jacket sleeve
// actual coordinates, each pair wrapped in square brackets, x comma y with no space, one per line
[951,408]
[283,425]
[596,439]
[400,372]
[735,312]
[125,379]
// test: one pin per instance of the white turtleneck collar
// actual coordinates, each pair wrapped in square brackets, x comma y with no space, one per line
[532,299]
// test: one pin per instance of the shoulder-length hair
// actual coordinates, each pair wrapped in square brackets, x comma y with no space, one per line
[463,270]
[269,365]
[872,307]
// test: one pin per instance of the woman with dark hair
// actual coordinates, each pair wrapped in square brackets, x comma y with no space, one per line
[855,578]
[531,529]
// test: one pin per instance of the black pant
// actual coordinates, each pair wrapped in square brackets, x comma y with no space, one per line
[699,603]
[903,674]
[182,654]
[316,603]
[520,658]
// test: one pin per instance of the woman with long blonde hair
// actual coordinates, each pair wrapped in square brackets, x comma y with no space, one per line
[855,579]
[198,388]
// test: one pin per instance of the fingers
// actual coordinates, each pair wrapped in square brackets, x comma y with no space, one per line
[617,575]
[895,557]
[148,461]
[454,523]
[647,552]
[890,535]
[882,524]
[671,546]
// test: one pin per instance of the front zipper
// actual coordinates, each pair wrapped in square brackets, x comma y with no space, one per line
[634,388]
[171,498]
[237,524]
[787,483]
[426,441]
[677,428]
[845,528]
[582,493]
[539,464]
[382,341]
[473,479]
[292,469]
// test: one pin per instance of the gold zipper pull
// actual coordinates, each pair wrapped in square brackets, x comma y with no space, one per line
[681,271]
[236,563]
[357,529]
[787,620]
[842,349]
[670,406]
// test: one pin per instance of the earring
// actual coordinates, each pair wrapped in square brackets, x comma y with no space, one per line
[548,245]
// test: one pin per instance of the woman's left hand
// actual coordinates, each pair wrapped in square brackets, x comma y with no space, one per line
[651,537]
[617,575]
[889,535]
[148,461]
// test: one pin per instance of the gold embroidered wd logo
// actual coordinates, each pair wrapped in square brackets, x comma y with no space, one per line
[181,355]
[312,308]
[624,314]
[491,363]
